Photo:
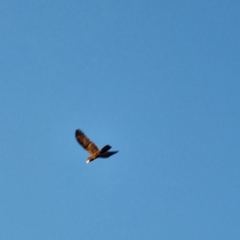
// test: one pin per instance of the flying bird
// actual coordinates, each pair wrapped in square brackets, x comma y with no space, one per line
[92,147]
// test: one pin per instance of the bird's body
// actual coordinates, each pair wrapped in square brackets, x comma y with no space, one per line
[92,147]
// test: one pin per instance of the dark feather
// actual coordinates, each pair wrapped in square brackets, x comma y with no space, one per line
[107,154]
[105,149]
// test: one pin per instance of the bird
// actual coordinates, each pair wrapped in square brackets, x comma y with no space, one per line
[92,148]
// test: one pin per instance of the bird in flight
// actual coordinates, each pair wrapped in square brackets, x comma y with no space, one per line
[92,147]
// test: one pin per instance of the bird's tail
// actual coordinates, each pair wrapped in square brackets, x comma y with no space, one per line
[105,149]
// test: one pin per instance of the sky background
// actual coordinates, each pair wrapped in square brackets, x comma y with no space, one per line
[157,80]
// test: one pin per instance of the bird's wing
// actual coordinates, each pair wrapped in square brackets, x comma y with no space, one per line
[85,142]
[107,154]
[105,149]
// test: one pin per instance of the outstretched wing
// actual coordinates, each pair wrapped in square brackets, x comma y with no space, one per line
[105,149]
[107,154]
[85,142]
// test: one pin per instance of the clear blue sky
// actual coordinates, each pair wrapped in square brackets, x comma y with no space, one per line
[159,81]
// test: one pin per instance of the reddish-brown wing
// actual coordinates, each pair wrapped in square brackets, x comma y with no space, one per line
[85,142]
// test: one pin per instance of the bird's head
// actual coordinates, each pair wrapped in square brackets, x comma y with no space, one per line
[88,160]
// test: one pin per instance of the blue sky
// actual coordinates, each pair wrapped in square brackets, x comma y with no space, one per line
[159,81]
